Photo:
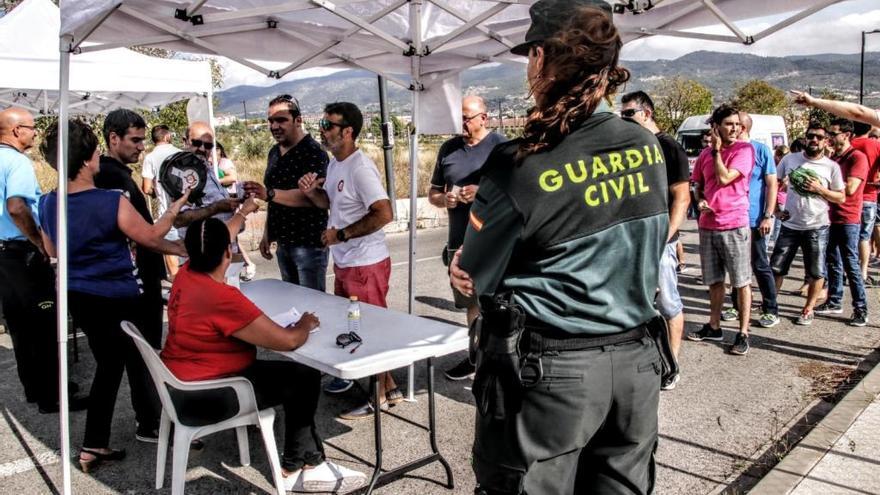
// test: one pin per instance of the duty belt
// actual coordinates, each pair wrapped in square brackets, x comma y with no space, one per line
[540,338]
[16,244]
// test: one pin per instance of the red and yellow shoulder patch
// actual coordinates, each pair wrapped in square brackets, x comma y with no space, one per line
[475,221]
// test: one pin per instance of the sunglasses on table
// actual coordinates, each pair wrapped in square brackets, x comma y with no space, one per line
[630,112]
[198,143]
[326,125]
[345,339]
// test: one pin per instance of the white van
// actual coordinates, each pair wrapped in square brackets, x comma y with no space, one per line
[767,129]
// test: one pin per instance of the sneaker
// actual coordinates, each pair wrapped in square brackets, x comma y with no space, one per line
[729,314]
[768,320]
[706,333]
[670,383]
[325,477]
[338,385]
[828,308]
[740,345]
[73,404]
[363,411]
[806,318]
[461,371]
[870,282]
[147,435]
[860,318]
[248,274]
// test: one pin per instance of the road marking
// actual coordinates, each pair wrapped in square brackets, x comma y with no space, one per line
[25,464]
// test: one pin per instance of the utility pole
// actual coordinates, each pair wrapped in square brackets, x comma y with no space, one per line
[501,115]
[244,104]
[862,66]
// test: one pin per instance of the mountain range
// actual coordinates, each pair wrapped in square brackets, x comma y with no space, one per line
[722,73]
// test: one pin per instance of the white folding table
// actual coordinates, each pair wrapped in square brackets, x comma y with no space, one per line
[391,340]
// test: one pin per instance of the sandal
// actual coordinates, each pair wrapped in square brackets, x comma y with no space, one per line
[98,457]
[394,396]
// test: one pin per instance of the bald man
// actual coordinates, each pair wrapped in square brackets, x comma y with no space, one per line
[27,282]
[454,186]
[216,201]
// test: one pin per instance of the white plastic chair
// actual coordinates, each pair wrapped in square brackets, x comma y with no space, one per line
[248,414]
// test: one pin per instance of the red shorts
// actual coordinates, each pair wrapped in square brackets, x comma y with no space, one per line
[369,283]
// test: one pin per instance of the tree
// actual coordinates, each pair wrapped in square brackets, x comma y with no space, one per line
[678,98]
[759,97]
[822,116]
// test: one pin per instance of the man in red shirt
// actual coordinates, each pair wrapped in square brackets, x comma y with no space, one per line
[846,217]
[871,149]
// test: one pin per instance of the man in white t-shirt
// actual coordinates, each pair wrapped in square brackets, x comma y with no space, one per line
[805,221]
[359,208]
[151,187]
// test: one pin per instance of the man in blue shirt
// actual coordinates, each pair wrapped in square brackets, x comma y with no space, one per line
[27,281]
[762,204]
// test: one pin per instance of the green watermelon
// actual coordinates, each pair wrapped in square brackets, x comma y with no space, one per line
[798,179]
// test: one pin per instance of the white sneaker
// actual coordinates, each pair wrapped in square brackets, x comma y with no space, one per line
[293,481]
[326,477]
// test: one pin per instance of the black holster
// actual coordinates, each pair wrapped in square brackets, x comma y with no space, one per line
[495,350]
[658,330]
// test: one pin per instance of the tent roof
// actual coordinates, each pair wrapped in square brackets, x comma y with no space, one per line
[372,35]
[102,80]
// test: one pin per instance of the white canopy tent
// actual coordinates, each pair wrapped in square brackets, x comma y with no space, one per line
[421,45]
[98,81]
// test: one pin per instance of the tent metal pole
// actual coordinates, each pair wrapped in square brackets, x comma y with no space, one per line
[61,306]
[415,25]
[387,143]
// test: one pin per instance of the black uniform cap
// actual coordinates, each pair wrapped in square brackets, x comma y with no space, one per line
[548,17]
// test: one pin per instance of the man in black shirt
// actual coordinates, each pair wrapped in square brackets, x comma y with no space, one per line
[639,107]
[124,133]
[454,186]
[293,221]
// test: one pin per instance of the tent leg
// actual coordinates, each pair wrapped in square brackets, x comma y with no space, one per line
[387,144]
[61,306]
[413,218]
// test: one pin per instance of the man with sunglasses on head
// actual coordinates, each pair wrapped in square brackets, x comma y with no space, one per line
[359,209]
[454,186]
[293,221]
[639,107]
[805,221]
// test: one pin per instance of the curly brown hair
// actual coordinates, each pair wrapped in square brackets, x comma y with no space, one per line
[580,68]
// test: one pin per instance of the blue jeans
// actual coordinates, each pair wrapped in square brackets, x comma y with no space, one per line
[764,275]
[869,216]
[306,266]
[843,254]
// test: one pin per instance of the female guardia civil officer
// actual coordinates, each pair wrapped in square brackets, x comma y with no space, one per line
[563,248]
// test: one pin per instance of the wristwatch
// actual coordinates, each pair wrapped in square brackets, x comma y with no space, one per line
[714,152]
[768,216]
[270,195]
[340,235]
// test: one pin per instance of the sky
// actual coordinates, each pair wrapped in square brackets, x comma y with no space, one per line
[835,29]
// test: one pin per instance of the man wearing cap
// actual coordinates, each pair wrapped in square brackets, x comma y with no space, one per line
[563,249]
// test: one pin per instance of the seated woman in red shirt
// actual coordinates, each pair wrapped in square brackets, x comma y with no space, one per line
[213,331]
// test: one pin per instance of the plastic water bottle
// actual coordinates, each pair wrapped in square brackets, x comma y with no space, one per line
[354,315]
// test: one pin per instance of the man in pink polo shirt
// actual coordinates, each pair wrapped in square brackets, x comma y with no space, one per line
[721,177]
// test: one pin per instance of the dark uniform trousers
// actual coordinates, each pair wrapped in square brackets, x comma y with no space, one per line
[27,289]
[588,427]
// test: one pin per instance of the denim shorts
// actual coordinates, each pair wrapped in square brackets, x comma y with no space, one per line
[668,299]
[869,217]
[813,243]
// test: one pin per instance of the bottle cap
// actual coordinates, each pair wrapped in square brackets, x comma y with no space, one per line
[353,298]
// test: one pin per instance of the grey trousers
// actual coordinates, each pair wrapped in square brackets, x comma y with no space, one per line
[589,426]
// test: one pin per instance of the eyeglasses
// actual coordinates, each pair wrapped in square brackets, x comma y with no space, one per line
[465,119]
[630,112]
[834,134]
[198,143]
[26,126]
[326,125]
[811,136]
[345,339]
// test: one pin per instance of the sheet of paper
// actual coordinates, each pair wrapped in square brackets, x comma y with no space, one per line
[290,317]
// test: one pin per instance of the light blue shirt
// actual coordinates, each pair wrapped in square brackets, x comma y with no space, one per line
[17,180]
[764,165]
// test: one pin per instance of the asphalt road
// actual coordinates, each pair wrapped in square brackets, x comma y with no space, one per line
[715,426]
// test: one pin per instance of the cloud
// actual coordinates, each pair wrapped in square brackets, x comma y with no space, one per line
[832,30]
[235,74]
